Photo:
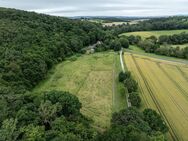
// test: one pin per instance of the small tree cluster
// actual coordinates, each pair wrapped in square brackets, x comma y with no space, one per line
[132,125]
[131,86]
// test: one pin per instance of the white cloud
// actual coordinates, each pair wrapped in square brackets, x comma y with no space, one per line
[101,7]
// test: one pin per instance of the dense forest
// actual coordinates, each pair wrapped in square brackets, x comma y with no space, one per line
[30,45]
[169,23]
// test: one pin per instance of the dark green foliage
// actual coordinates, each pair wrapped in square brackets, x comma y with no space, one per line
[30,44]
[123,76]
[131,85]
[124,42]
[131,116]
[115,45]
[175,39]
[135,99]
[148,45]
[69,104]
[170,23]
[155,121]
[52,115]
[122,133]
[133,40]
[131,125]
[101,47]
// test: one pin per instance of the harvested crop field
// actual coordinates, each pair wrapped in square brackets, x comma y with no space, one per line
[164,87]
[146,34]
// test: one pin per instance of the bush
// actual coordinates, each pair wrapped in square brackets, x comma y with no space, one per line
[135,99]
[124,42]
[131,85]
[155,121]
[123,76]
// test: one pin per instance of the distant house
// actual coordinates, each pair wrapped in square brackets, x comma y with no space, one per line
[91,49]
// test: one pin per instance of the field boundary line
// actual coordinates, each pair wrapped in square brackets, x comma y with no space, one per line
[171,97]
[182,73]
[173,60]
[185,94]
[113,84]
[172,132]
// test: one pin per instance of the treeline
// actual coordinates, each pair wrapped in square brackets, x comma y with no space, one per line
[151,45]
[170,23]
[112,43]
[132,88]
[174,39]
[131,124]
[162,45]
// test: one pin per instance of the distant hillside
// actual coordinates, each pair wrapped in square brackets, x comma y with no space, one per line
[31,43]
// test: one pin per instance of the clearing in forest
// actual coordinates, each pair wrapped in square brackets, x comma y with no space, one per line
[93,79]
[163,87]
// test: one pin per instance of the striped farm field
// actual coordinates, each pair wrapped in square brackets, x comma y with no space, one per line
[146,34]
[163,86]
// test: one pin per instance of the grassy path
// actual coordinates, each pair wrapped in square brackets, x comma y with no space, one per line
[94,80]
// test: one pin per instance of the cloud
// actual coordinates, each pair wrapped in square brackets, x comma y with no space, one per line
[101,7]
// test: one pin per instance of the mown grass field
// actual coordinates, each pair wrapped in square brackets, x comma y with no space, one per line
[93,78]
[146,34]
[163,87]
[120,23]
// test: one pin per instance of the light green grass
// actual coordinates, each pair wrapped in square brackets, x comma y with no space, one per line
[137,50]
[119,100]
[92,79]
[181,46]
[146,34]
[114,23]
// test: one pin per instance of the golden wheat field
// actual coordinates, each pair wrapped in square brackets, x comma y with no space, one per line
[163,86]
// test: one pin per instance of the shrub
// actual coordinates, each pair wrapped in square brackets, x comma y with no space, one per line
[135,99]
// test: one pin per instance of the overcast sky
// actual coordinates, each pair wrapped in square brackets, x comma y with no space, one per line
[101,7]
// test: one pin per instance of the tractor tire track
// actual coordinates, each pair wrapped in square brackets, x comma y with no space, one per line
[183,74]
[185,94]
[172,99]
[171,131]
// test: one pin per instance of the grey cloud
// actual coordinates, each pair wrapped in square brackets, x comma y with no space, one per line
[101,7]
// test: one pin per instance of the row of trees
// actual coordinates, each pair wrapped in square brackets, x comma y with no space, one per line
[130,124]
[169,23]
[150,45]
[174,39]
[132,88]
[113,43]
[162,45]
